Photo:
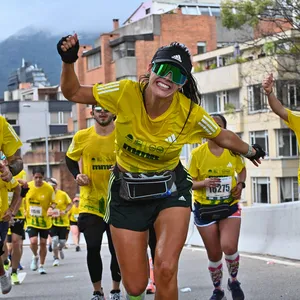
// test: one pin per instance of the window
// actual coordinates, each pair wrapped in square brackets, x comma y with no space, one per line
[90,122]
[148,10]
[94,61]
[59,118]
[257,99]
[261,189]
[286,143]
[64,145]
[201,47]
[261,138]
[288,189]
[221,101]
[289,93]
[201,10]
[126,49]
[293,95]
[205,11]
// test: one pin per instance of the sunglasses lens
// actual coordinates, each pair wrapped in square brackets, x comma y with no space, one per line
[163,69]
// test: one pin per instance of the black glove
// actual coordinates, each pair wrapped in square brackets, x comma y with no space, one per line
[24,191]
[69,56]
[260,153]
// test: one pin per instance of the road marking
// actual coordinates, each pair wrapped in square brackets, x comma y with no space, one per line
[257,257]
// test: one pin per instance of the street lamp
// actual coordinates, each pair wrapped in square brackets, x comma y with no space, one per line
[46,140]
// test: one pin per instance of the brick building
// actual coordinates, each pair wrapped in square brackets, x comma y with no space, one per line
[126,52]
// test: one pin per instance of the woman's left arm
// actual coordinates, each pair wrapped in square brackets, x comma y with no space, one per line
[241,178]
[229,140]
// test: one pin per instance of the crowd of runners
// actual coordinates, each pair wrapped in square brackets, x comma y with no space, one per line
[132,183]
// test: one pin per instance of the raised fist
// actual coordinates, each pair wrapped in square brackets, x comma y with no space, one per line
[268,83]
[68,47]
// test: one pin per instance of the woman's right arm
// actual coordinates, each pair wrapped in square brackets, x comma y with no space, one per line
[68,49]
[72,89]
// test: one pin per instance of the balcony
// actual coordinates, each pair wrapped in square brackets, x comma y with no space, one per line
[227,78]
[36,157]
[126,66]
[58,129]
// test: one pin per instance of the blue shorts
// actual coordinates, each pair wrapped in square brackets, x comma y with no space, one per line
[199,222]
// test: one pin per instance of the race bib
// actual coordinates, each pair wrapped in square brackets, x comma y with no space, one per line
[222,191]
[55,213]
[35,211]
[76,217]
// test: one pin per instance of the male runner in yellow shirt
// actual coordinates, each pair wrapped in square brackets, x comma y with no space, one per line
[95,145]
[39,205]
[9,144]
[60,221]
[73,217]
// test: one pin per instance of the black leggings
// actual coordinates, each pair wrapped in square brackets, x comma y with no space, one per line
[152,242]
[93,228]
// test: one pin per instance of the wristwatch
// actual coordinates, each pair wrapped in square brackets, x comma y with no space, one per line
[242,183]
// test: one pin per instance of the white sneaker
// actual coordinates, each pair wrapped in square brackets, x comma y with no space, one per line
[34,263]
[42,270]
[61,254]
[115,296]
[5,283]
[55,262]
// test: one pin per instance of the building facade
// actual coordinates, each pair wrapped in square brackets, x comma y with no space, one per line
[230,80]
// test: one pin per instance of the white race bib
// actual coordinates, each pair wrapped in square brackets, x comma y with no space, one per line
[76,217]
[55,213]
[35,211]
[222,191]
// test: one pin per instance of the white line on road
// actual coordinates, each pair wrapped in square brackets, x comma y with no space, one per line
[269,260]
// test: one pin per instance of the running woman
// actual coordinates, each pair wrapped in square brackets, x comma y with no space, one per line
[216,211]
[156,117]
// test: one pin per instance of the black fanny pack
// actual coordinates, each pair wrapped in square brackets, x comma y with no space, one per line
[215,212]
[138,186]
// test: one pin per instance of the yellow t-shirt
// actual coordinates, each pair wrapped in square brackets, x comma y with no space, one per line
[98,156]
[74,213]
[62,200]
[4,188]
[38,200]
[204,164]
[21,212]
[294,124]
[9,140]
[144,144]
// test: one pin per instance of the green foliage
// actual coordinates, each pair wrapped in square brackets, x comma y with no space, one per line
[236,60]
[213,66]
[198,68]
[269,48]
[229,108]
[247,12]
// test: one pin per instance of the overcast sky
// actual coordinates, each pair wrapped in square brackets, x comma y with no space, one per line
[63,15]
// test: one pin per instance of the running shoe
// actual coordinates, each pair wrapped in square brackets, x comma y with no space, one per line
[42,271]
[5,283]
[34,262]
[218,295]
[20,267]
[115,295]
[61,254]
[55,262]
[14,278]
[77,249]
[235,289]
[7,264]
[98,297]
[150,288]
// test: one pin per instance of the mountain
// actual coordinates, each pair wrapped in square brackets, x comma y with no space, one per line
[36,46]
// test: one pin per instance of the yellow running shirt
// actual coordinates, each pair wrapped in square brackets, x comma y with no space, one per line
[62,200]
[37,201]
[74,213]
[204,164]
[98,157]
[144,144]
[294,124]
[21,212]
[4,188]
[9,140]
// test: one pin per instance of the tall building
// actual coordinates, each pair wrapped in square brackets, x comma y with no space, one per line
[230,80]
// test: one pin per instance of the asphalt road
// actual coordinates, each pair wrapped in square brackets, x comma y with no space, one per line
[263,278]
